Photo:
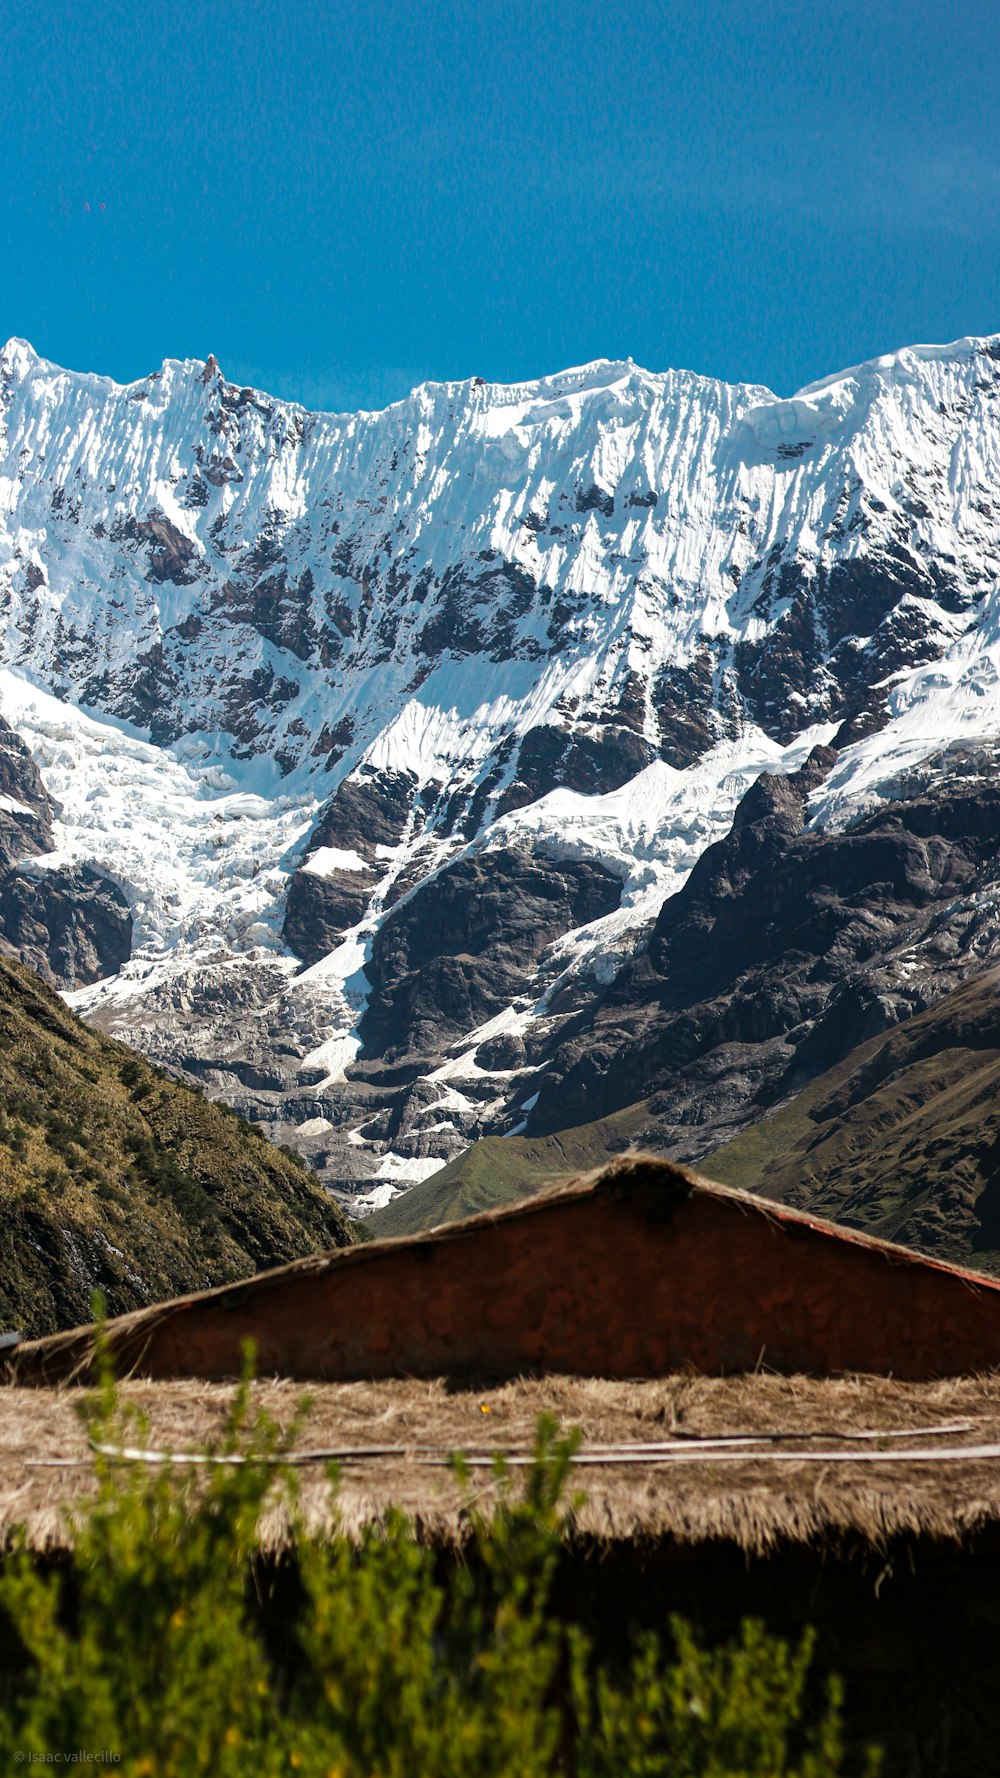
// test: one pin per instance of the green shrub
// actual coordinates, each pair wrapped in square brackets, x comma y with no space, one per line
[168,1642]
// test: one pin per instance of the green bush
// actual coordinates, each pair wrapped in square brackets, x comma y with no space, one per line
[168,1642]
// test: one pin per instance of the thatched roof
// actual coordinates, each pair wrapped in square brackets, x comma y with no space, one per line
[835,1471]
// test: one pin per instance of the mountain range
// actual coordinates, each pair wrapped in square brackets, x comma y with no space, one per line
[509,759]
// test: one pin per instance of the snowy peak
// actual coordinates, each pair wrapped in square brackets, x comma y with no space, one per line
[298,682]
[664,553]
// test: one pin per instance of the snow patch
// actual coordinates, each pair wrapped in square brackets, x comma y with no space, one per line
[329,858]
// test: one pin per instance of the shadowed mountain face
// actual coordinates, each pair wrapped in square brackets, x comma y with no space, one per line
[114,1177]
[463,946]
[901,1139]
[506,757]
[784,948]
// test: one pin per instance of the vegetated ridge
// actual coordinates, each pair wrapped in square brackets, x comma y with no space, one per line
[900,1139]
[115,1177]
[500,1169]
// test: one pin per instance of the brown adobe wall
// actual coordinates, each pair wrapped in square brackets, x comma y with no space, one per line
[637,1273]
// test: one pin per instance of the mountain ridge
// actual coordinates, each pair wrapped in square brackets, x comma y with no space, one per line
[900,1138]
[313,672]
[927,350]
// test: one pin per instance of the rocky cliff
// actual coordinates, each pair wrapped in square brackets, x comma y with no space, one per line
[362,762]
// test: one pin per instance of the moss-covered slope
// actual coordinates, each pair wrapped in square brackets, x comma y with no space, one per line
[113,1175]
[500,1169]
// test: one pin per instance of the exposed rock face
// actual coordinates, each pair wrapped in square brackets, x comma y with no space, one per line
[320,909]
[462,947]
[25,809]
[73,926]
[373,656]
[843,631]
[684,701]
[603,759]
[504,1054]
[366,811]
[784,949]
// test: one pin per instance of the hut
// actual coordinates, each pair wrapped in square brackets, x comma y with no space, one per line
[638,1270]
[780,1419]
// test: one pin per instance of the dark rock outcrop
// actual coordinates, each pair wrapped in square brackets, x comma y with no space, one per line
[25,809]
[460,949]
[73,926]
[784,949]
[503,1054]
[900,1138]
[683,699]
[320,908]
[844,631]
[368,809]
[590,761]
[172,556]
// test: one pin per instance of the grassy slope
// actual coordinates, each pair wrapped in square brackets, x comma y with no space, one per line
[113,1174]
[502,1168]
[901,1139]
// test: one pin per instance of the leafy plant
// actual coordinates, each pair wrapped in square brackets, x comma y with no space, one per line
[169,1642]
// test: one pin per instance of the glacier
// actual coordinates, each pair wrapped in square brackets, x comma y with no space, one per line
[568,621]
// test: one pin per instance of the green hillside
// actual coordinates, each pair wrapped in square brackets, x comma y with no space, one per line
[112,1174]
[500,1169]
[901,1139]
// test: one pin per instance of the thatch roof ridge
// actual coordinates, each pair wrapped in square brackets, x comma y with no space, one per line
[748,1504]
[635,1168]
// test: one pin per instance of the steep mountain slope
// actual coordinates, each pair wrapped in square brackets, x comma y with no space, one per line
[901,1139]
[500,1169]
[114,1176]
[309,693]
[788,942]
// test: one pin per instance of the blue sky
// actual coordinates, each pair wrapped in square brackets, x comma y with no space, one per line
[341,199]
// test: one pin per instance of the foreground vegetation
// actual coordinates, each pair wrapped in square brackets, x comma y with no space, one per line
[114,1175]
[171,1644]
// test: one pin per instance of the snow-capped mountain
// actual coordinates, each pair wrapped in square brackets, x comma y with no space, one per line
[377,742]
